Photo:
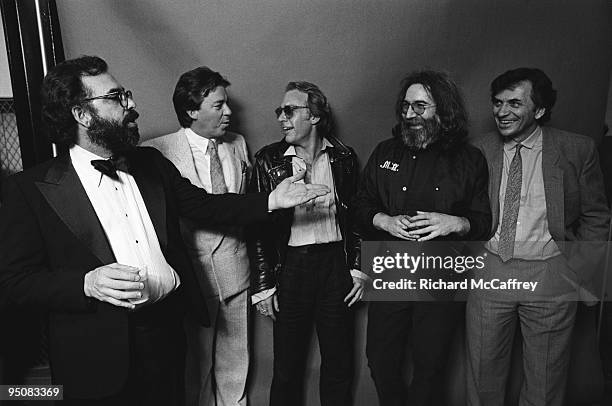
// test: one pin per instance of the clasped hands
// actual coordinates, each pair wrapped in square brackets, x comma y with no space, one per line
[423,226]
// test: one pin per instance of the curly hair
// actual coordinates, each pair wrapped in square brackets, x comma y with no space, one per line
[191,89]
[450,107]
[317,104]
[542,93]
[62,89]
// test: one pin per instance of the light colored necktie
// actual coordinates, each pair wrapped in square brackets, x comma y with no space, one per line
[512,202]
[216,170]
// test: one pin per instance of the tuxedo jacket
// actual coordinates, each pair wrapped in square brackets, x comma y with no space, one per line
[51,237]
[576,205]
[219,254]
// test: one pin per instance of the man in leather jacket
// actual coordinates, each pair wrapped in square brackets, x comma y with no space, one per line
[306,261]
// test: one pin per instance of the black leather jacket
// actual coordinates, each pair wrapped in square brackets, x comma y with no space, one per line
[267,243]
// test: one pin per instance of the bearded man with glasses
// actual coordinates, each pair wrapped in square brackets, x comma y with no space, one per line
[425,183]
[306,264]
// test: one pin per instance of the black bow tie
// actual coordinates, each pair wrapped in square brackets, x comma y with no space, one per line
[109,167]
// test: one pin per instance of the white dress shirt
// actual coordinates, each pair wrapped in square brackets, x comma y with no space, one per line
[126,223]
[201,160]
[315,222]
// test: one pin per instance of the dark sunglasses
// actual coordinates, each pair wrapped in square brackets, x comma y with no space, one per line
[288,110]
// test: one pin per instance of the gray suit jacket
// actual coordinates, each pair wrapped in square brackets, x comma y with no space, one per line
[576,205]
[218,254]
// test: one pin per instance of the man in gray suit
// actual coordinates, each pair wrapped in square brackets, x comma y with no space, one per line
[217,160]
[545,188]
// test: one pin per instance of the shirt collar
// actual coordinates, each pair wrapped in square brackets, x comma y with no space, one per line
[290,151]
[534,140]
[81,161]
[82,155]
[199,141]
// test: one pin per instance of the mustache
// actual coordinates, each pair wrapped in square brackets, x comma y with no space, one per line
[131,116]
[414,120]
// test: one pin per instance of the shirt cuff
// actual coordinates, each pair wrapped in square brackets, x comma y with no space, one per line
[264,294]
[358,274]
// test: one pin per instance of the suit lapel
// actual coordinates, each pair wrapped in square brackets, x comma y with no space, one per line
[553,185]
[151,189]
[65,194]
[237,165]
[179,153]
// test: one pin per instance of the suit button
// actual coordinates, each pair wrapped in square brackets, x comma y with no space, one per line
[404,188]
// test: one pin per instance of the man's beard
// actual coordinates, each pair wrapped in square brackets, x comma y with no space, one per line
[114,136]
[420,138]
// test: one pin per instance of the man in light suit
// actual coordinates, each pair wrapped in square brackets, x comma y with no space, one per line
[217,357]
[546,189]
[93,244]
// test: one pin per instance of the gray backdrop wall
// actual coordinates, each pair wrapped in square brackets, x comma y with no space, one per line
[357,51]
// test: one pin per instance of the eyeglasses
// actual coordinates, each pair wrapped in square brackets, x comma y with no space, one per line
[288,110]
[123,96]
[418,107]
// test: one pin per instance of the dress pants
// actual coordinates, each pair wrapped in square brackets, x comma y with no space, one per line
[545,318]
[217,361]
[312,287]
[430,326]
[157,352]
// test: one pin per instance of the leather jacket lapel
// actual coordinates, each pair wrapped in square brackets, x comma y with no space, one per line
[341,171]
